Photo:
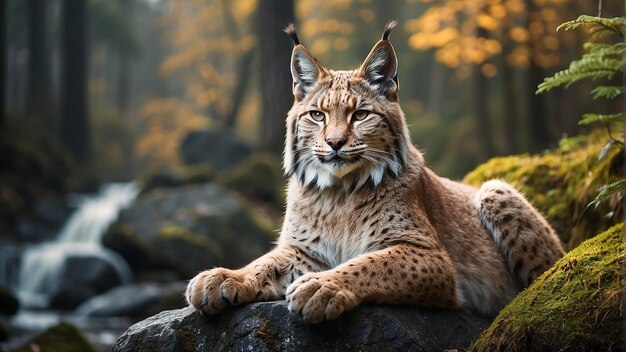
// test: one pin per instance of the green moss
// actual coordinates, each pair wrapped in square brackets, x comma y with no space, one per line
[187,339]
[124,240]
[575,306]
[185,250]
[259,177]
[268,334]
[60,338]
[561,183]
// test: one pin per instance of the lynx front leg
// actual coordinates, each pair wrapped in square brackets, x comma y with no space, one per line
[402,274]
[264,279]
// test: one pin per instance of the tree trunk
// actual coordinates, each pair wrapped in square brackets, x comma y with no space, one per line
[510,113]
[3,52]
[275,75]
[538,127]
[75,121]
[38,89]
[123,81]
[481,108]
[239,92]
[243,69]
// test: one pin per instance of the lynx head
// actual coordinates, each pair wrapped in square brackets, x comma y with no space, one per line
[345,127]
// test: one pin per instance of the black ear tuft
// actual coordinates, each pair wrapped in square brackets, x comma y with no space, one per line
[388,28]
[291,31]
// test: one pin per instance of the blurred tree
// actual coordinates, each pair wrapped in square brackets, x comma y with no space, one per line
[207,64]
[123,80]
[469,35]
[74,111]
[275,73]
[3,52]
[38,89]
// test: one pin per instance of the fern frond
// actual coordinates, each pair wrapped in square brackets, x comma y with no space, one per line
[600,27]
[607,92]
[602,61]
[606,191]
[588,119]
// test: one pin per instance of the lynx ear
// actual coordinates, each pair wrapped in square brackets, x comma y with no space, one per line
[305,69]
[380,67]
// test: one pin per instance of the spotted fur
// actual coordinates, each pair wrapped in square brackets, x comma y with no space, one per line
[367,221]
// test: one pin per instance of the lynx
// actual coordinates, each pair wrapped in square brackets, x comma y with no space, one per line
[367,221]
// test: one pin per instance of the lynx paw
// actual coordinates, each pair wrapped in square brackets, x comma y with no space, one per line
[316,298]
[213,290]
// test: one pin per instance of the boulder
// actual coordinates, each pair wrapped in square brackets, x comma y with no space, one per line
[259,177]
[44,220]
[82,278]
[63,275]
[188,229]
[165,177]
[269,326]
[136,301]
[8,302]
[62,337]
[574,306]
[220,149]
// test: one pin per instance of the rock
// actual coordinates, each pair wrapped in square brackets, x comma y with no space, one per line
[219,148]
[562,182]
[83,278]
[9,304]
[175,177]
[269,326]
[136,301]
[576,305]
[63,275]
[62,337]
[44,220]
[5,331]
[188,229]
[259,177]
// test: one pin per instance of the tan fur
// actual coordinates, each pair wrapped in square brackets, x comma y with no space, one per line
[369,222]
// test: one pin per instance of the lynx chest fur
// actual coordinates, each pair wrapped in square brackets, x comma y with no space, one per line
[367,221]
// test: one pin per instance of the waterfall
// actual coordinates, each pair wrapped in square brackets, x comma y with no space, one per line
[42,265]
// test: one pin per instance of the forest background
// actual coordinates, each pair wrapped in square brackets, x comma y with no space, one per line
[120,83]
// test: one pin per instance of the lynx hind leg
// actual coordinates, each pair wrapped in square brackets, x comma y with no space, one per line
[522,235]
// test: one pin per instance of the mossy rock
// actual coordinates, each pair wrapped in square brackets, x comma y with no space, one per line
[123,239]
[62,337]
[562,182]
[33,164]
[187,251]
[189,228]
[259,177]
[8,303]
[160,177]
[575,306]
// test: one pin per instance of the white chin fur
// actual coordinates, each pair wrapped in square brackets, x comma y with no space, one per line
[325,175]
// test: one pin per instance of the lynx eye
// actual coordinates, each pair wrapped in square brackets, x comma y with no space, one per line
[360,115]
[317,115]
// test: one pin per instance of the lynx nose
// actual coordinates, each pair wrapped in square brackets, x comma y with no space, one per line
[336,143]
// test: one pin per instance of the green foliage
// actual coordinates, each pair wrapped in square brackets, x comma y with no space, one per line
[602,60]
[606,191]
[574,306]
[590,118]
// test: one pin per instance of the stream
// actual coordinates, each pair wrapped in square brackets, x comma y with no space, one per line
[44,275]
